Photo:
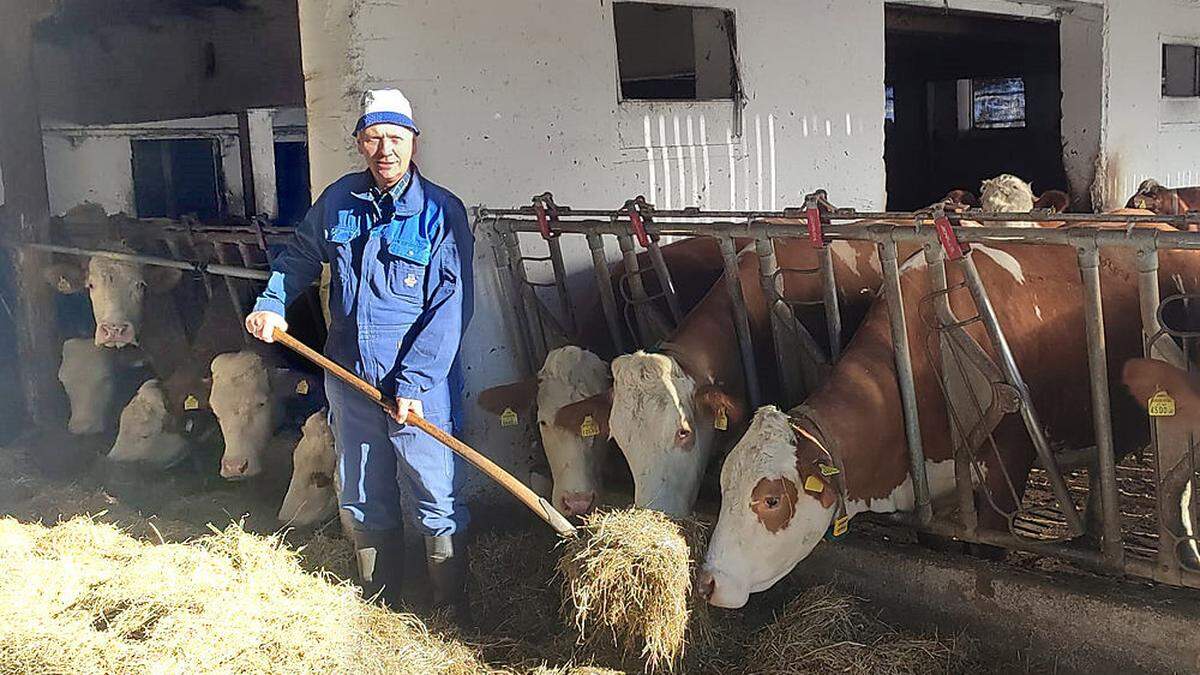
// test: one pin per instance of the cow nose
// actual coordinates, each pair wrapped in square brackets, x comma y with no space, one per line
[231,469]
[705,584]
[116,333]
[578,503]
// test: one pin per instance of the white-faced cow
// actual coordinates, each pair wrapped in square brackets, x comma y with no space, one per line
[576,372]
[777,501]
[311,496]
[148,433]
[98,382]
[672,410]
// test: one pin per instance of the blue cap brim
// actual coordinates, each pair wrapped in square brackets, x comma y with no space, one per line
[385,117]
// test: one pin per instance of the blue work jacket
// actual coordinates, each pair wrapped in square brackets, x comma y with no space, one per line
[401,292]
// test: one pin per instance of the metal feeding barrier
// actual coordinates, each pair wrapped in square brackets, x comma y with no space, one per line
[1057,530]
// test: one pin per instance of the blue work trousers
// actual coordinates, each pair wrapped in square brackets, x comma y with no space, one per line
[382,463]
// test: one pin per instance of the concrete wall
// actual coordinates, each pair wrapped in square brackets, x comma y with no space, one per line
[1145,135]
[521,97]
[93,163]
[1081,45]
[139,60]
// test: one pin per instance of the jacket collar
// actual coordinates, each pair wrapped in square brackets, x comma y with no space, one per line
[409,202]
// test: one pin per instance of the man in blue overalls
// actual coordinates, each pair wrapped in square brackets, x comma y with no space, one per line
[400,251]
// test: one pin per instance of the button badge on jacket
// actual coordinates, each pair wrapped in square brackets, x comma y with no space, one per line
[410,280]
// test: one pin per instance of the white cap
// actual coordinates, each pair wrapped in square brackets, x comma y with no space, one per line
[385,106]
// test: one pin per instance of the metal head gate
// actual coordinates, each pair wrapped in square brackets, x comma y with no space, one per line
[1054,530]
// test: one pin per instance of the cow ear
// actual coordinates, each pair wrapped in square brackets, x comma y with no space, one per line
[520,396]
[161,279]
[572,417]
[66,278]
[716,401]
[815,485]
[1147,377]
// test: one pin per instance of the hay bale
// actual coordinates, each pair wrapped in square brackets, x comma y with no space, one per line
[824,631]
[628,576]
[84,597]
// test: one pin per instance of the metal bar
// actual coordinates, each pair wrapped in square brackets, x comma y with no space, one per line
[508,283]
[922,217]
[964,485]
[741,320]
[1089,267]
[637,290]
[608,300]
[537,344]
[904,375]
[833,315]
[772,286]
[664,280]
[1106,237]
[219,270]
[560,282]
[1009,365]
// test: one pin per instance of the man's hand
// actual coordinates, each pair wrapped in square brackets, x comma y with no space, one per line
[406,405]
[262,325]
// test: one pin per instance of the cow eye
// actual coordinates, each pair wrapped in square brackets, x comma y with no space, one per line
[683,434]
[772,502]
[542,423]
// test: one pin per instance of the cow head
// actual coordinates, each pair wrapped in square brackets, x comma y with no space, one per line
[568,376]
[1007,194]
[1055,201]
[117,290]
[311,497]
[664,423]
[89,375]
[959,200]
[247,397]
[772,514]
[146,432]
[1148,380]
[1156,198]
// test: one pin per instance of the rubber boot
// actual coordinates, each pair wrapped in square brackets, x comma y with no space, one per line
[446,558]
[380,561]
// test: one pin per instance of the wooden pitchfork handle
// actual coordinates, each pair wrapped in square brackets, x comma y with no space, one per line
[506,480]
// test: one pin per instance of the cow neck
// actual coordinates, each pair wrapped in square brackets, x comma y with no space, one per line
[163,338]
[708,339]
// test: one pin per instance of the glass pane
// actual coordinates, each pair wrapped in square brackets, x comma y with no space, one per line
[998,103]
[1179,71]
[889,103]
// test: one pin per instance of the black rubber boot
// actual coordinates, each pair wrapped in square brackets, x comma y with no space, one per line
[379,556]
[446,558]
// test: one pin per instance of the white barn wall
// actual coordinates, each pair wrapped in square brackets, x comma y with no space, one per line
[519,97]
[1145,135]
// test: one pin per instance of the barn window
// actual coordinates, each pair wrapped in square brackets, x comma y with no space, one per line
[1181,71]
[889,103]
[672,52]
[177,177]
[291,180]
[998,103]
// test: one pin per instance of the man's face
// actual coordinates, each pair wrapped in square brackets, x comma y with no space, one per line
[388,149]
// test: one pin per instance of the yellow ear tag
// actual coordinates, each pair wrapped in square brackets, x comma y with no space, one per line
[508,418]
[721,422]
[191,403]
[841,525]
[302,387]
[814,484]
[828,470]
[1161,405]
[589,428]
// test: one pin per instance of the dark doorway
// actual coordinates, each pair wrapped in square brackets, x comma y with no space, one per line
[177,177]
[292,189]
[969,97]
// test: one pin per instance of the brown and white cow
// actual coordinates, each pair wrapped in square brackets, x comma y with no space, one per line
[1165,201]
[577,371]
[148,433]
[777,503]
[311,496]
[672,410]
[1146,378]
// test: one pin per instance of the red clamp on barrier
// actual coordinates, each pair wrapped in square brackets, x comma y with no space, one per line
[815,236]
[635,206]
[955,250]
[543,204]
